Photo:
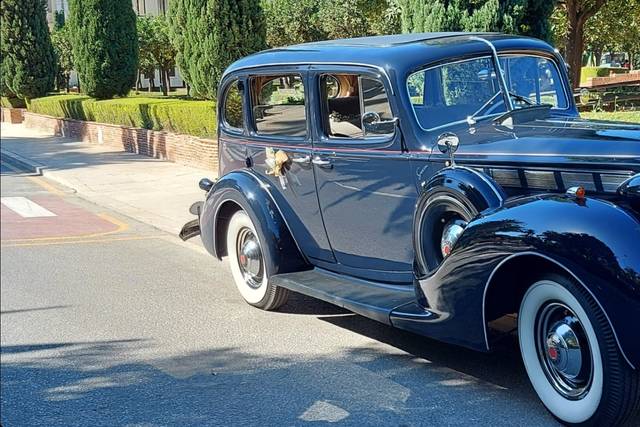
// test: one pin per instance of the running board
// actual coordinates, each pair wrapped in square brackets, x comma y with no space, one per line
[370,299]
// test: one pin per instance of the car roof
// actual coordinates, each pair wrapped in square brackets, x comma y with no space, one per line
[394,53]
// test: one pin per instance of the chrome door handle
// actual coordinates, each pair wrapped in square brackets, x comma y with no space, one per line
[305,159]
[323,163]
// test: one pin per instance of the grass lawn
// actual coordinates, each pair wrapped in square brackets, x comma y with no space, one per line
[620,116]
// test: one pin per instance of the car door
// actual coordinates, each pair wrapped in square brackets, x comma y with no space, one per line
[362,175]
[279,145]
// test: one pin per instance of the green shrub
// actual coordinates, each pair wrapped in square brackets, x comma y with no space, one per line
[12,102]
[189,117]
[588,72]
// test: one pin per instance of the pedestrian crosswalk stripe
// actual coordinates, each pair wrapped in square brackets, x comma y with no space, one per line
[25,207]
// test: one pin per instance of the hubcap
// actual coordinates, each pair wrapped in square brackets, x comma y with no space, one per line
[250,257]
[450,235]
[563,350]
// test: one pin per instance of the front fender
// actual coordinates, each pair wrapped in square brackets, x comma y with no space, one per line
[595,240]
[242,189]
[473,193]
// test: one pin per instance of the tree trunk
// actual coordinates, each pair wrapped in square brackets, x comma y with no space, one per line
[598,56]
[575,46]
[152,84]
[67,77]
[163,81]
[137,82]
[168,78]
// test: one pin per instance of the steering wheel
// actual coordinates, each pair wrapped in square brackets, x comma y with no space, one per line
[494,106]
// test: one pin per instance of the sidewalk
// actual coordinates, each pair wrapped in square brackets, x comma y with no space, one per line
[156,192]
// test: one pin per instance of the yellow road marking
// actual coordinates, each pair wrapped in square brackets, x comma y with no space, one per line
[41,182]
[121,226]
[44,184]
[68,242]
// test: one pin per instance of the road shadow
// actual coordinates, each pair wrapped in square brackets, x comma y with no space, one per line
[119,383]
[59,153]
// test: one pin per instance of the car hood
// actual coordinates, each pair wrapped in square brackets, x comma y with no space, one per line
[554,142]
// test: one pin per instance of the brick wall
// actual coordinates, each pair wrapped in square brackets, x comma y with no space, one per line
[12,115]
[184,149]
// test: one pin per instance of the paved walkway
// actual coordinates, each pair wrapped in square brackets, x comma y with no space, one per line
[152,191]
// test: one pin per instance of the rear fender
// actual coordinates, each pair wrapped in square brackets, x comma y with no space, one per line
[243,190]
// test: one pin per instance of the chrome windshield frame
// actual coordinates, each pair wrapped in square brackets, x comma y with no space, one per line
[496,63]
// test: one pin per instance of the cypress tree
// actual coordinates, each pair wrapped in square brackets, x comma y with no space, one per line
[211,34]
[105,46]
[28,62]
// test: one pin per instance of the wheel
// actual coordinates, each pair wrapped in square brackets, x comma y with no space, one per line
[571,356]
[248,265]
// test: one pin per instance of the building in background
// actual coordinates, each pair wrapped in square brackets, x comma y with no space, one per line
[150,7]
[142,8]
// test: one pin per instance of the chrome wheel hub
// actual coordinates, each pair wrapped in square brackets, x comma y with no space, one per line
[450,235]
[250,257]
[563,350]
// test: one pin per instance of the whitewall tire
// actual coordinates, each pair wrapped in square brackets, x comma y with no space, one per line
[571,356]
[248,267]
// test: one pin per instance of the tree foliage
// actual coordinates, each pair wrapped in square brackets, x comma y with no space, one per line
[146,61]
[615,27]
[105,46]
[526,17]
[155,49]
[292,22]
[210,34]
[299,21]
[62,45]
[28,62]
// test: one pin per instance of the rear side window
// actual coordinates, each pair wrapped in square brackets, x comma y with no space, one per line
[347,99]
[232,110]
[278,105]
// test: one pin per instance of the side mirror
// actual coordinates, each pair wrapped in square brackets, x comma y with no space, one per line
[373,124]
[448,143]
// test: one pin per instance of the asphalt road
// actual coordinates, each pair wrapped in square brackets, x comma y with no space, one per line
[106,321]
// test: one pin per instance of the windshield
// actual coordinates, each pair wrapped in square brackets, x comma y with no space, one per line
[455,91]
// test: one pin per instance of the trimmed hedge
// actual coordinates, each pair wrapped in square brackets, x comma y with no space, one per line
[7,102]
[588,72]
[189,117]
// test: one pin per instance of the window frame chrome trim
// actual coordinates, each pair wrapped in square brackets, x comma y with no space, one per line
[310,64]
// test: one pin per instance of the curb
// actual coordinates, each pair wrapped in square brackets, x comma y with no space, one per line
[21,162]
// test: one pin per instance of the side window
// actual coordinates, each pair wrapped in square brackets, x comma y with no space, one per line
[355,106]
[278,105]
[233,107]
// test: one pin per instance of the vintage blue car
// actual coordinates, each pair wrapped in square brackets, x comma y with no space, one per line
[438,182]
